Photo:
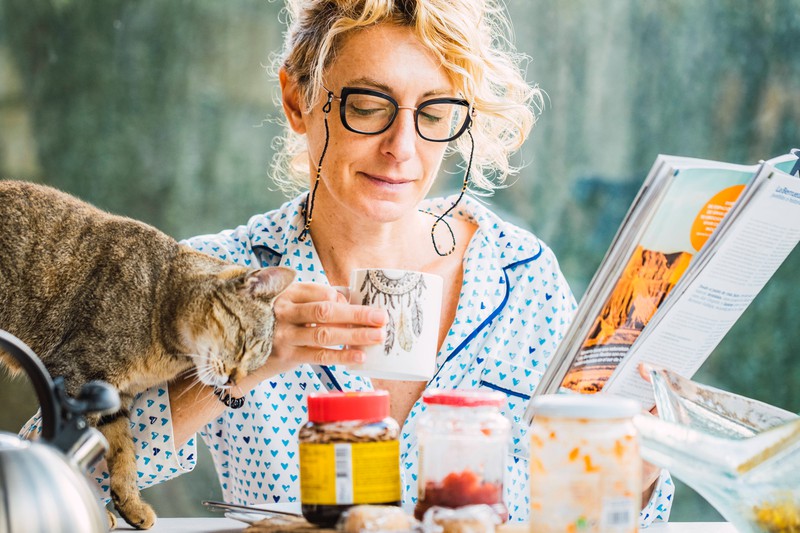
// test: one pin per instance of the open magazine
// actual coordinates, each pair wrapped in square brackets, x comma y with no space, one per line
[699,242]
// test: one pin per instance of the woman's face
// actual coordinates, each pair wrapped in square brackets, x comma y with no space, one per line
[381,177]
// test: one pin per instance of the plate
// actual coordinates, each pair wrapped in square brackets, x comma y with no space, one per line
[247,518]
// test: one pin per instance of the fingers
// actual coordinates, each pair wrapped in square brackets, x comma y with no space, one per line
[286,357]
[325,335]
[330,356]
[331,313]
[644,371]
[301,292]
[312,321]
[317,304]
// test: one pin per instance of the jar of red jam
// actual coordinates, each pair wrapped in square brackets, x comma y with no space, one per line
[349,455]
[463,445]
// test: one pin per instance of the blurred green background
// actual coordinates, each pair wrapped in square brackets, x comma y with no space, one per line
[162,110]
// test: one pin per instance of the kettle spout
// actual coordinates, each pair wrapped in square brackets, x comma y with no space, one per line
[83,444]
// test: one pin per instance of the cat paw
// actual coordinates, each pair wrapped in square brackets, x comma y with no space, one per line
[112,520]
[137,513]
[142,518]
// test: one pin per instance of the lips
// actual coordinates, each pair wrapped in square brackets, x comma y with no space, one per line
[388,180]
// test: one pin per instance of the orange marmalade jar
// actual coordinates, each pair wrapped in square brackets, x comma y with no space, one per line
[586,470]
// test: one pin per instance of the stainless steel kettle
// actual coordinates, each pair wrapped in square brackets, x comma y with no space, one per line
[43,484]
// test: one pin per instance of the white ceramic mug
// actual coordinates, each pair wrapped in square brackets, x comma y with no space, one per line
[413,301]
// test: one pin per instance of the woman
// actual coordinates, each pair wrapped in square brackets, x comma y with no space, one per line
[375,92]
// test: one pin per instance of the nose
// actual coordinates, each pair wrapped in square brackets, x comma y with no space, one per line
[234,376]
[400,139]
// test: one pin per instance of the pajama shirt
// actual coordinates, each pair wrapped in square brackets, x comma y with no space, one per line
[514,308]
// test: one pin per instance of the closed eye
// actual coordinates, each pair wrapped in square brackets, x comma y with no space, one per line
[430,118]
[366,111]
[367,107]
[243,351]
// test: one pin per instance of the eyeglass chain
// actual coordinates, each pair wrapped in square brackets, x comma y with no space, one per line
[309,208]
[440,218]
[228,399]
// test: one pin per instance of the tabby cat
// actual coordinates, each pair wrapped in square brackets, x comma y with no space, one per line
[103,297]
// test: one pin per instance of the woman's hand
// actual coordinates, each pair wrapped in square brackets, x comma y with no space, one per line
[650,472]
[312,321]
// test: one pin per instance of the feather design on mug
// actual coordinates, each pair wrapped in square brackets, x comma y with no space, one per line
[401,298]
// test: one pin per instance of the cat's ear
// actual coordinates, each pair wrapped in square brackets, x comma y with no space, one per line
[268,282]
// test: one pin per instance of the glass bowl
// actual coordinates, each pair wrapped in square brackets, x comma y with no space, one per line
[741,455]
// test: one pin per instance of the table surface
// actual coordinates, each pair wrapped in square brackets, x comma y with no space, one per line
[226,525]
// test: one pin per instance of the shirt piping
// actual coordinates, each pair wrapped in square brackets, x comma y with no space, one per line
[497,311]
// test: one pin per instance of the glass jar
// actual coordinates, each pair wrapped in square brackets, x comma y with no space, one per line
[586,469]
[463,445]
[349,455]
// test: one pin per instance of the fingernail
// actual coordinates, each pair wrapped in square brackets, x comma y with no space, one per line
[377,316]
[344,292]
[359,357]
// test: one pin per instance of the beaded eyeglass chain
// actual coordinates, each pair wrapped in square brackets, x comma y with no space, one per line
[309,206]
[231,401]
[440,218]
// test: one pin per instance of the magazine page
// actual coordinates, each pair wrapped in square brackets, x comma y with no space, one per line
[747,250]
[693,205]
[688,198]
[610,267]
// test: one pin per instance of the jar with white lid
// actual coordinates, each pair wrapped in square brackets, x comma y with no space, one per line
[463,445]
[585,464]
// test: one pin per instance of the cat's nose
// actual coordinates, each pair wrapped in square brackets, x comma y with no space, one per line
[234,377]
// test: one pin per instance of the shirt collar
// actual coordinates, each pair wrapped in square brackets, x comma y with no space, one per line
[506,243]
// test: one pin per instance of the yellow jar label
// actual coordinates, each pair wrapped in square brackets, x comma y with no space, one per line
[345,473]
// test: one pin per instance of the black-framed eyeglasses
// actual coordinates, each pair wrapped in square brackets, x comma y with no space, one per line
[371,112]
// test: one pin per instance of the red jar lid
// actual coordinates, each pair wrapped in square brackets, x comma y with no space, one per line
[369,406]
[463,398]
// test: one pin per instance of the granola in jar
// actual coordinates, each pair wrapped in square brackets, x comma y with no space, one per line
[349,455]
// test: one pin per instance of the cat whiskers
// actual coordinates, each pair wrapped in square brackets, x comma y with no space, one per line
[189,355]
[207,369]
[200,399]
[200,370]
[193,373]
[229,389]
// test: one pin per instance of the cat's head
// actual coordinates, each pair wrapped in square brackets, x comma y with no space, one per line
[230,334]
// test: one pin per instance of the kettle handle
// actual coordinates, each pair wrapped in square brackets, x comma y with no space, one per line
[40,377]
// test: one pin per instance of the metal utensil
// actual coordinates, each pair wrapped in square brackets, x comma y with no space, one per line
[224,506]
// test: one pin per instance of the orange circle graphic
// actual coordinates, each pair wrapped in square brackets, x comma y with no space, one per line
[712,213]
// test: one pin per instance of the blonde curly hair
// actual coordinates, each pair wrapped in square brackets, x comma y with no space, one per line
[471,39]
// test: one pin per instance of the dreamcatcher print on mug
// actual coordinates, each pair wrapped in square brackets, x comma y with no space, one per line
[401,297]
